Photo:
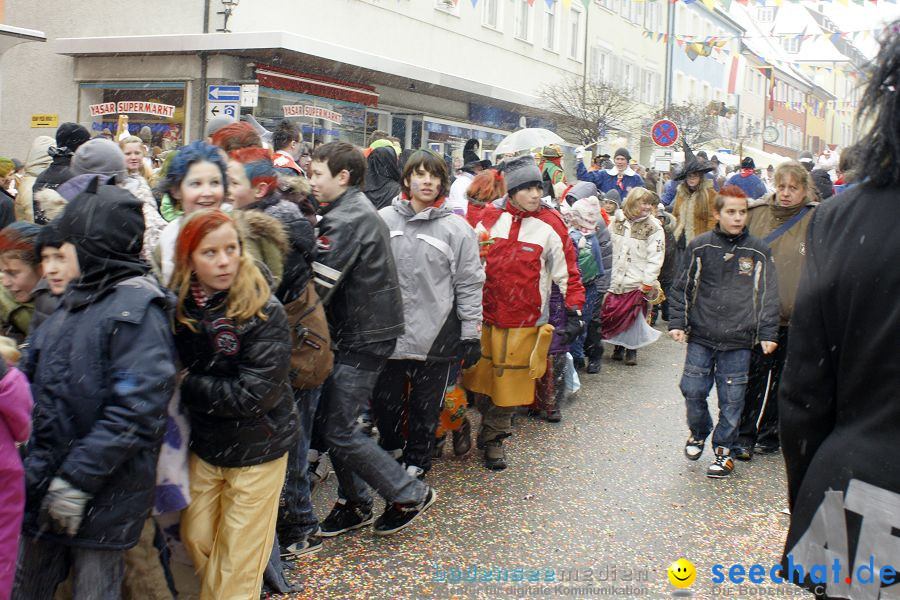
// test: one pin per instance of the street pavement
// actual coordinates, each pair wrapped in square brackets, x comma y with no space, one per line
[598,505]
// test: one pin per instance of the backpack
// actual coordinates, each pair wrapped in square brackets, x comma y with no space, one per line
[311,355]
[587,262]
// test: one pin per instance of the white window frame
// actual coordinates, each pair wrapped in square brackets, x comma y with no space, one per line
[606,5]
[555,12]
[630,76]
[447,7]
[765,14]
[528,9]
[791,45]
[650,86]
[485,8]
[578,55]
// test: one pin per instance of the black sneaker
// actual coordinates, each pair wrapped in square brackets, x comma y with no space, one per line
[631,357]
[399,516]
[693,448]
[308,545]
[742,453]
[593,367]
[345,516]
[618,353]
[766,449]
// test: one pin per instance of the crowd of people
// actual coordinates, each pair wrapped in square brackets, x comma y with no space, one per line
[186,344]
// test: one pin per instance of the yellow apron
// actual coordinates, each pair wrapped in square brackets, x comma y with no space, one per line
[511,360]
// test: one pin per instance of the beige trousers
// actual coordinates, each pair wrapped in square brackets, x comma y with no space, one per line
[229,527]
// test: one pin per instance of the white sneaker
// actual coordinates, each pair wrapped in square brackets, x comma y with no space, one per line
[415,472]
[693,448]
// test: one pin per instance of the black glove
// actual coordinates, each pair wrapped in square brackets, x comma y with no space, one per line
[471,352]
[574,326]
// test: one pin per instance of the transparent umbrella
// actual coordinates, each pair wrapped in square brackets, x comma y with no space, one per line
[526,139]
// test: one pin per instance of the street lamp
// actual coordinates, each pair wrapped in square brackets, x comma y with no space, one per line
[228,7]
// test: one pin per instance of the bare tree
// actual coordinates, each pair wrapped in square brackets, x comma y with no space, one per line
[588,111]
[696,123]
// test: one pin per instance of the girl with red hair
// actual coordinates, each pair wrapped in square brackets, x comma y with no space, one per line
[233,340]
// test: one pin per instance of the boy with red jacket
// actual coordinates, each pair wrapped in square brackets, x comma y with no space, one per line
[526,248]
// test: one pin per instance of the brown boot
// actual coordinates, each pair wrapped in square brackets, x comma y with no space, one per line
[462,438]
[494,455]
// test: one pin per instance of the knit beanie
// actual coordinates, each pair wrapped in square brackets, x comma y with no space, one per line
[145,134]
[521,173]
[217,123]
[748,163]
[586,212]
[613,196]
[71,136]
[622,152]
[99,156]
[48,237]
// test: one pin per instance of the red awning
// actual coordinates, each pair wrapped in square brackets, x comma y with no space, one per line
[280,78]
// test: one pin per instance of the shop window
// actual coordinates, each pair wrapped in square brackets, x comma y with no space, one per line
[157,105]
[319,119]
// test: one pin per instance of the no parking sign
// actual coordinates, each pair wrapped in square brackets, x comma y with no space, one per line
[664,133]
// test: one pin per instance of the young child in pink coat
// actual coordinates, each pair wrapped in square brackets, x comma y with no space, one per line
[15,425]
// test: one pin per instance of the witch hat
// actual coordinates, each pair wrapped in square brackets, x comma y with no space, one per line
[692,164]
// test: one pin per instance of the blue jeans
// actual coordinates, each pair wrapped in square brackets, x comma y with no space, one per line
[728,368]
[356,458]
[296,518]
[43,565]
[591,296]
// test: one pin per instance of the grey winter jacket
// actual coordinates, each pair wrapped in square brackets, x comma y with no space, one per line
[441,278]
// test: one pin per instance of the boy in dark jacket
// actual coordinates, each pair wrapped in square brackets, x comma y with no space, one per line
[355,276]
[724,301]
[102,370]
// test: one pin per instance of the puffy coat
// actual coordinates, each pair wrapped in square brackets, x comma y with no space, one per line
[638,252]
[440,274]
[301,241]
[726,294]
[264,239]
[102,375]
[236,391]
[527,251]
[355,273]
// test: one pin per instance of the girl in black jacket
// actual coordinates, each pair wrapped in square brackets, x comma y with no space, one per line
[233,340]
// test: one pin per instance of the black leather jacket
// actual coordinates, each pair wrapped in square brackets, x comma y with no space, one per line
[236,391]
[355,275]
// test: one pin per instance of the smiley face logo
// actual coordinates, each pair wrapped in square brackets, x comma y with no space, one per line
[682,573]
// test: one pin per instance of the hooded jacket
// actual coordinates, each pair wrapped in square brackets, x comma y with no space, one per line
[837,403]
[264,239]
[355,274]
[382,177]
[102,370]
[584,189]
[788,251]
[440,276]
[726,294]
[527,251]
[823,183]
[607,179]
[236,391]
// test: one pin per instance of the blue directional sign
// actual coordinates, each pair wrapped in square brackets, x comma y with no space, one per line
[224,93]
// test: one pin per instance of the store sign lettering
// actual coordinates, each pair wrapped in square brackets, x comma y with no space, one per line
[133,106]
[315,112]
